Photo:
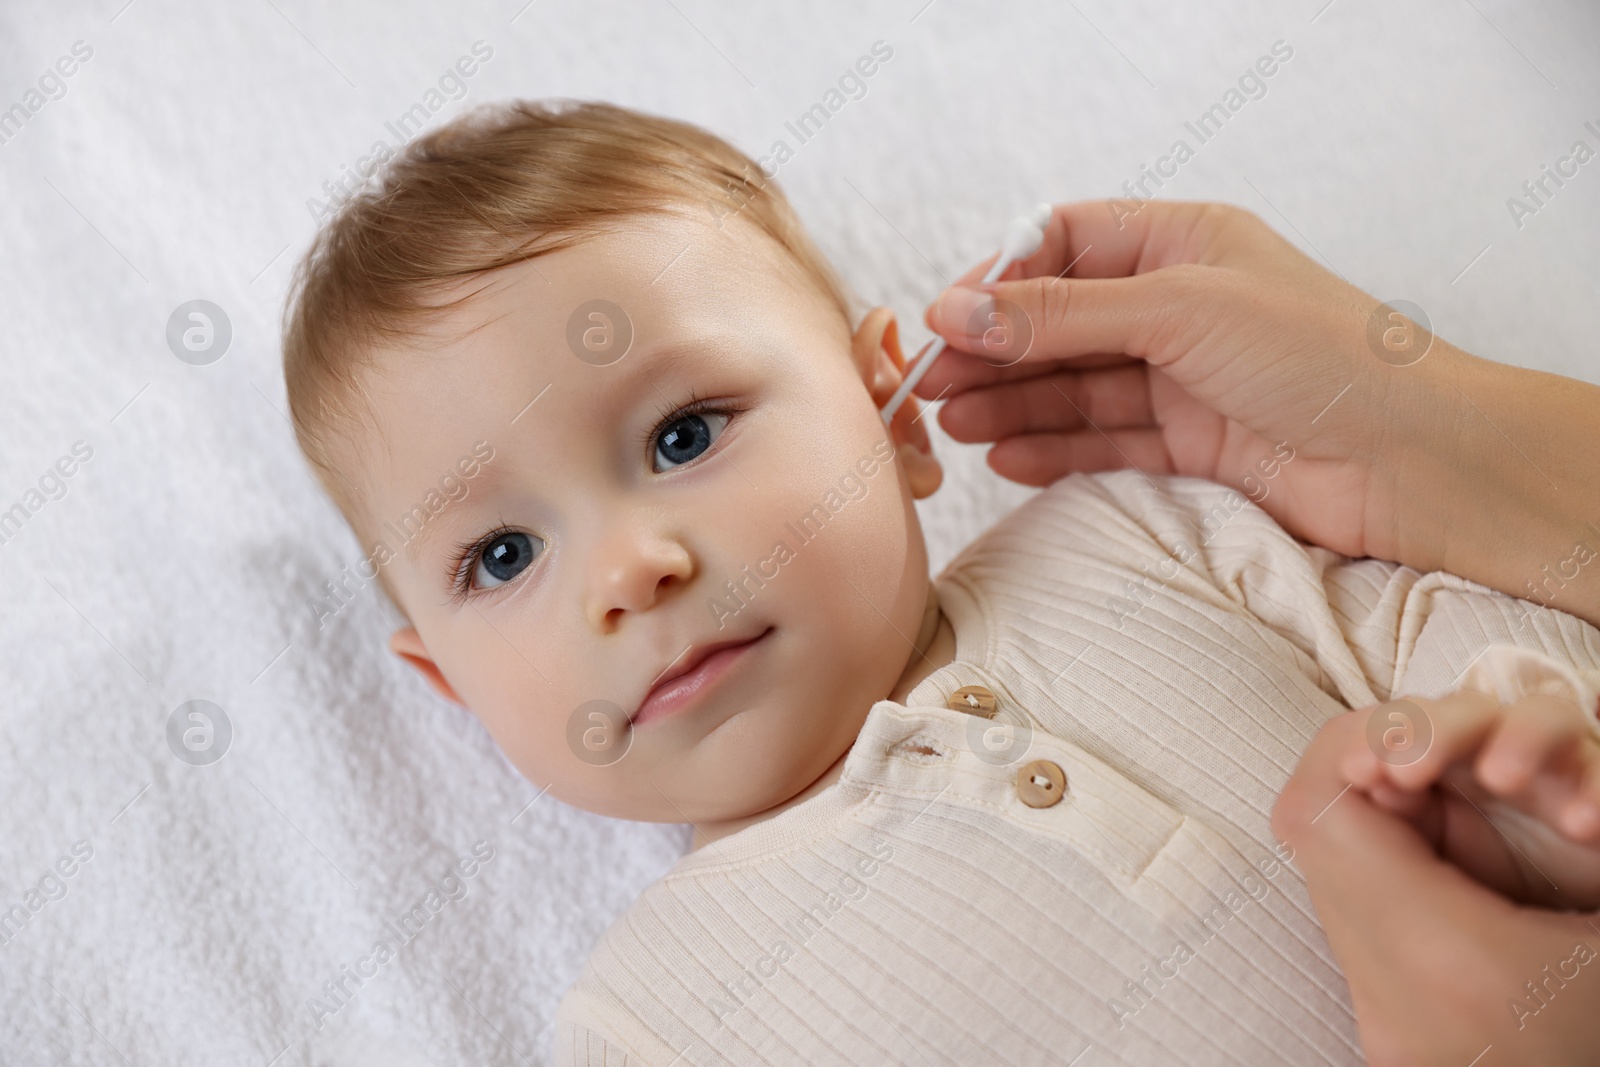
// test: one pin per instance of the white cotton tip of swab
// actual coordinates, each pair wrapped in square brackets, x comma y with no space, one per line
[1022,239]
[1040,215]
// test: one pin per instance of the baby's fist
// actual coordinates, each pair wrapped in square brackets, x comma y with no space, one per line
[1539,753]
[1502,776]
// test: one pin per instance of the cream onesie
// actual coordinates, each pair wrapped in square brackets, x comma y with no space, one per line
[1057,850]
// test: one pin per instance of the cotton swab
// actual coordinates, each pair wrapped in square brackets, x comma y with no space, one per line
[1023,238]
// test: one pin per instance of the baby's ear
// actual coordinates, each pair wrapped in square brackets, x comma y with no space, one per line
[876,351]
[407,644]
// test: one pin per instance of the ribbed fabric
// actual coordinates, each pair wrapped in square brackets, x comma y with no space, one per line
[1173,651]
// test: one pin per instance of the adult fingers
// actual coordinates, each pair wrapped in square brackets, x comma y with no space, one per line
[1057,401]
[1041,319]
[1366,872]
[1042,458]
[1320,788]
[1327,821]
[1452,729]
[1153,286]
[955,372]
[1116,239]
[1107,239]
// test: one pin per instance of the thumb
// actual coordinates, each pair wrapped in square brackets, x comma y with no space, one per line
[1149,316]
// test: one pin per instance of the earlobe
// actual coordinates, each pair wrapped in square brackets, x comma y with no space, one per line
[407,644]
[923,471]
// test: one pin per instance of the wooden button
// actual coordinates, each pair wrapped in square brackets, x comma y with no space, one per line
[1041,784]
[974,700]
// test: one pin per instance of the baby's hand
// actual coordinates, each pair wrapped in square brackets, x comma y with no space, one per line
[1510,793]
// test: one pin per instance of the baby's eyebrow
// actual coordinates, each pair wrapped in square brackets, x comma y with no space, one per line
[416,547]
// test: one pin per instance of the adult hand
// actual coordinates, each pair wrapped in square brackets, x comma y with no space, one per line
[1191,338]
[1441,969]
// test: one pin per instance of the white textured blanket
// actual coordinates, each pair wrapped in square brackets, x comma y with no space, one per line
[162,542]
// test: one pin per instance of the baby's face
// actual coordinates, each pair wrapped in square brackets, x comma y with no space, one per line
[617,531]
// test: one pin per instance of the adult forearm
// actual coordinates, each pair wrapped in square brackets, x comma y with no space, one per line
[1499,482]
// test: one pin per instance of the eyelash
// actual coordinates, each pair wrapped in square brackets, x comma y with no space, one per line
[697,404]
[465,555]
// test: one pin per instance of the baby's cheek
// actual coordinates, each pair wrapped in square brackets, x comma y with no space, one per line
[855,587]
[518,711]
[575,744]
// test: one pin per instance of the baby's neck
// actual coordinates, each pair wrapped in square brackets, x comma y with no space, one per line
[935,647]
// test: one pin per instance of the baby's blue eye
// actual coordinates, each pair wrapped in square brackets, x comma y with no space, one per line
[687,436]
[503,558]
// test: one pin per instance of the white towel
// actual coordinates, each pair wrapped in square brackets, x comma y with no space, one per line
[184,159]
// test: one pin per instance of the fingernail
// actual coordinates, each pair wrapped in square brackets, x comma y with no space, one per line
[958,308]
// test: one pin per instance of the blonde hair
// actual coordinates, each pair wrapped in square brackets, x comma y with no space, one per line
[502,183]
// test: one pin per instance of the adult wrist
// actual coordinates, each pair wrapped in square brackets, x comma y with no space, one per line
[1491,472]
[1416,441]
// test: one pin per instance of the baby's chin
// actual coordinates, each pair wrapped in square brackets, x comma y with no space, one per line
[774,720]
[762,757]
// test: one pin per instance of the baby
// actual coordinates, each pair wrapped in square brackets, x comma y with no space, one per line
[1014,813]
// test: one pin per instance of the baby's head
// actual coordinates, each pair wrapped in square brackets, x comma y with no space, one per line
[592,401]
